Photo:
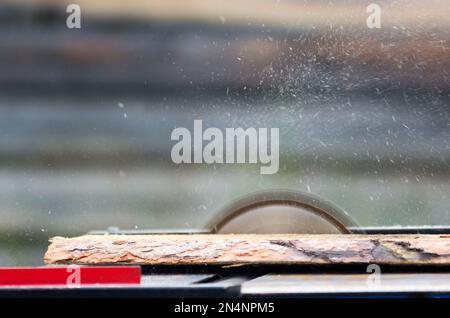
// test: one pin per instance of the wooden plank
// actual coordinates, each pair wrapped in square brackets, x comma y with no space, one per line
[229,249]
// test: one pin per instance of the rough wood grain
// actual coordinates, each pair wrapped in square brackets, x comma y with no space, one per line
[250,249]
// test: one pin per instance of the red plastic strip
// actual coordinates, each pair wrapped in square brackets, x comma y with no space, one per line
[70,276]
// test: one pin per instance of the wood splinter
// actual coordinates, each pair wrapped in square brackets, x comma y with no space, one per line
[215,249]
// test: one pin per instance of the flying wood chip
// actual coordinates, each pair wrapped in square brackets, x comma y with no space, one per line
[230,249]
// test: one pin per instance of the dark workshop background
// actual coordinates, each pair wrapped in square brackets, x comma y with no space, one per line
[86,115]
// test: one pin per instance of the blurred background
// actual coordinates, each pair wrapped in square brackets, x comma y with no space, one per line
[86,114]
